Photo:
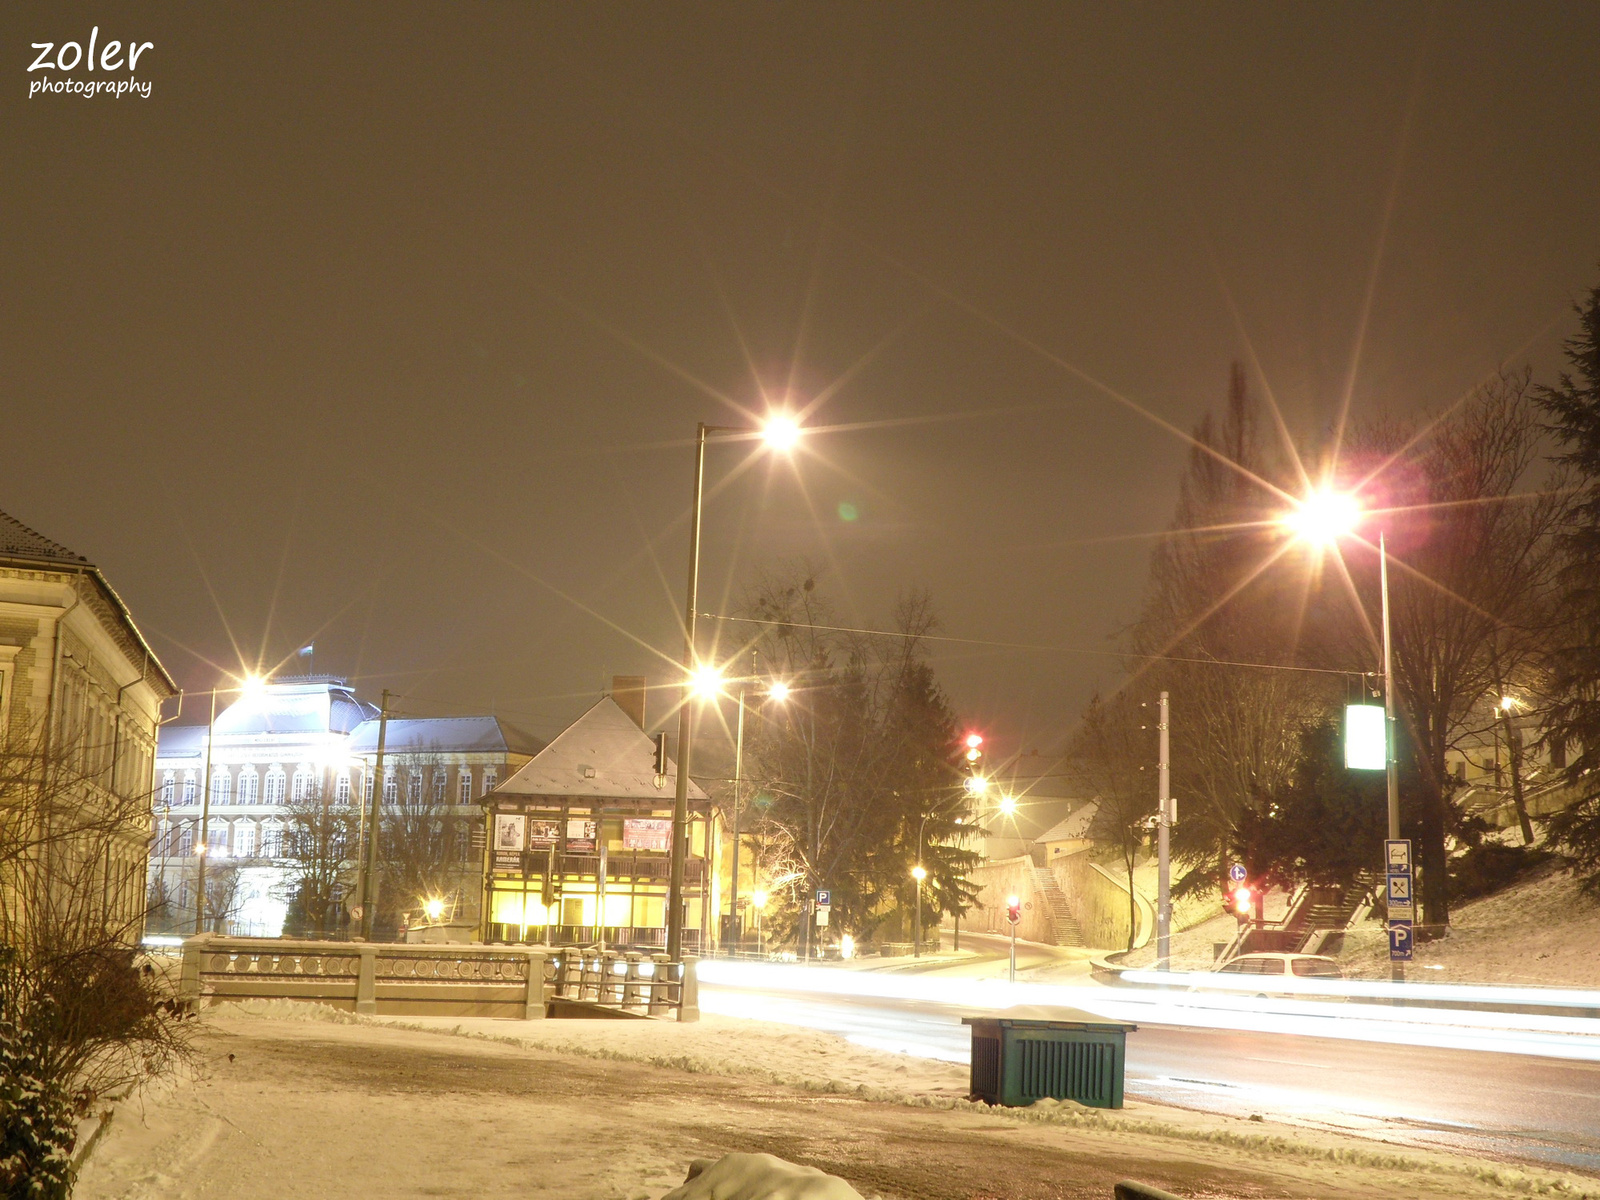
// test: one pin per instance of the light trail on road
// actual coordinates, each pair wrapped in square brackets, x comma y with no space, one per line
[1410,1082]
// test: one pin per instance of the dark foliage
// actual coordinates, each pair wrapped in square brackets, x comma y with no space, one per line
[1491,867]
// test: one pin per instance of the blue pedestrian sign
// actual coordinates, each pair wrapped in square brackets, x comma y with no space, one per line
[1399,941]
[824,897]
[1236,872]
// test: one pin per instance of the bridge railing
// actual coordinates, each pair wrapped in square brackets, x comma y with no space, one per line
[514,982]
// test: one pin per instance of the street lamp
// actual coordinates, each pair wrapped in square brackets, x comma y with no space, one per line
[780,432]
[919,874]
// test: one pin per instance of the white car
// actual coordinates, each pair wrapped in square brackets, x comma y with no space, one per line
[1299,966]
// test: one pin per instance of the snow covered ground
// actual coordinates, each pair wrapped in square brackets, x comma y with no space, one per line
[295,1101]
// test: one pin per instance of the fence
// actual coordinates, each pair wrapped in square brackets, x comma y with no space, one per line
[514,982]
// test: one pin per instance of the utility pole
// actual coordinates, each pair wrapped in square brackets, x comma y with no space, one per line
[1397,970]
[1164,848]
[680,797]
[204,846]
[734,924]
[369,868]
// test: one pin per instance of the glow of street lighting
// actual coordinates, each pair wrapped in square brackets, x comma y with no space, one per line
[706,683]
[758,899]
[779,691]
[1323,517]
[253,684]
[781,432]
[975,784]
[1507,703]
[1008,806]
[434,908]
[919,873]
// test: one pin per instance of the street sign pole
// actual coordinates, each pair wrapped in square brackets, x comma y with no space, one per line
[1400,897]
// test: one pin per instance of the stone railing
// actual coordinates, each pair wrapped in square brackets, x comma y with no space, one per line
[516,982]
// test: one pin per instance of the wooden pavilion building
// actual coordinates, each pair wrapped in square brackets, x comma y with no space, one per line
[579,840]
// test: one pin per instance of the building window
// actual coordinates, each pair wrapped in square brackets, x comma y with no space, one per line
[391,790]
[304,785]
[366,790]
[244,840]
[489,780]
[440,777]
[273,792]
[341,791]
[217,839]
[464,788]
[221,786]
[185,839]
[169,789]
[414,787]
[189,789]
[249,790]
[271,839]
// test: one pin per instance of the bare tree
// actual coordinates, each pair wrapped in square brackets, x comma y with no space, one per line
[423,841]
[1108,755]
[319,838]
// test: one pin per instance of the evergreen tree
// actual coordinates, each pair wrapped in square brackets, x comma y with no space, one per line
[1573,723]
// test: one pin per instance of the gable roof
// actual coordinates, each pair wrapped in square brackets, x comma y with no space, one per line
[1074,827]
[451,735]
[601,755]
[18,541]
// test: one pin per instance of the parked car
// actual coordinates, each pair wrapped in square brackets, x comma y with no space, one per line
[1300,966]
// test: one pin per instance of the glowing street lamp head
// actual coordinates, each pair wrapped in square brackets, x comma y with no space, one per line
[781,432]
[1324,517]
[919,873]
[705,683]
[253,684]
[758,899]
[434,908]
[1008,806]
[779,691]
[975,784]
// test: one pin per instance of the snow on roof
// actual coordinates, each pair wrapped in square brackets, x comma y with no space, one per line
[307,704]
[457,735]
[18,541]
[181,741]
[601,754]
[1075,826]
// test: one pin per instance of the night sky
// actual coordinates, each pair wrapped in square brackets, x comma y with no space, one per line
[388,325]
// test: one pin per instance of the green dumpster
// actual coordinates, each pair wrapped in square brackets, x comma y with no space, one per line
[1060,1053]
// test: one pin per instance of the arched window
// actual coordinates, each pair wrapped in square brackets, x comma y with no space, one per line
[304,783]
[221,785]
[169,789]
[271,838]
[244,839]
[272,793]
[249,790]
[464,788]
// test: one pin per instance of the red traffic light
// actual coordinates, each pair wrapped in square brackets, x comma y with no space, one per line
[1013,910]
[974,740]
[1242,897]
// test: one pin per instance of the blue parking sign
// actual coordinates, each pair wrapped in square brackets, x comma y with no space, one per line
[824,898]
[1399,941]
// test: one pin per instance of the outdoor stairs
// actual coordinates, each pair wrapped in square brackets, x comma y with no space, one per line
[1055,902]
[1326,909]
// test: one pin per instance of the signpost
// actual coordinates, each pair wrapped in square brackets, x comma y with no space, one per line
[1400,895]
[823,904]
[1236,873]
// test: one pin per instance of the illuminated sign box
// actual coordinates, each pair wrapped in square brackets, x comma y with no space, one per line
[1366,738]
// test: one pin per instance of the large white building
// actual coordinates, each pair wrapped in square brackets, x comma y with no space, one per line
[287,742]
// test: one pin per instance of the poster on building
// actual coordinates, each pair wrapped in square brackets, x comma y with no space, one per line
[581,833]
[647,833]
[509,832]
[542,833]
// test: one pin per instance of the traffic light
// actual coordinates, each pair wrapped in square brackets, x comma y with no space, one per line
[661,753]
[1013,909]
[974,749]
[1242,898]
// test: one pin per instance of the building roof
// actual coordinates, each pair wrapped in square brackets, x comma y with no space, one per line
[1074,827]
[18,541]
[451,735]
[601,755]
[181,741]
[306,704]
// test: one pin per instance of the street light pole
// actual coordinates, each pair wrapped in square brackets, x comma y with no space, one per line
[1164,849]
[738,780]
[369,863]
[1397,970]
[203,849]
[680,799]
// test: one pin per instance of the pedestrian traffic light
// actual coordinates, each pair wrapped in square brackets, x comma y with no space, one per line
[661,753]
[1242,898]
[1013,909]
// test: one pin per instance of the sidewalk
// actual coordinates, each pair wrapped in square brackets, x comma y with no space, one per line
[337,1107]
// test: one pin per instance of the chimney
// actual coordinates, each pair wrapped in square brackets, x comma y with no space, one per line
[628,692]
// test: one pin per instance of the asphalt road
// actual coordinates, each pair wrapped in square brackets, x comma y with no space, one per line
[1542,1109]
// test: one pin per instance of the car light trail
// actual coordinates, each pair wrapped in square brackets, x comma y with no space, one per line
[1456,1029]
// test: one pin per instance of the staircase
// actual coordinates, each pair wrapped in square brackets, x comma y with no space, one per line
[1055,902]
[1327,909]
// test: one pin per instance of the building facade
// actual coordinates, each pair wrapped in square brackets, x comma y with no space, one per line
[80,705]
[293,753]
